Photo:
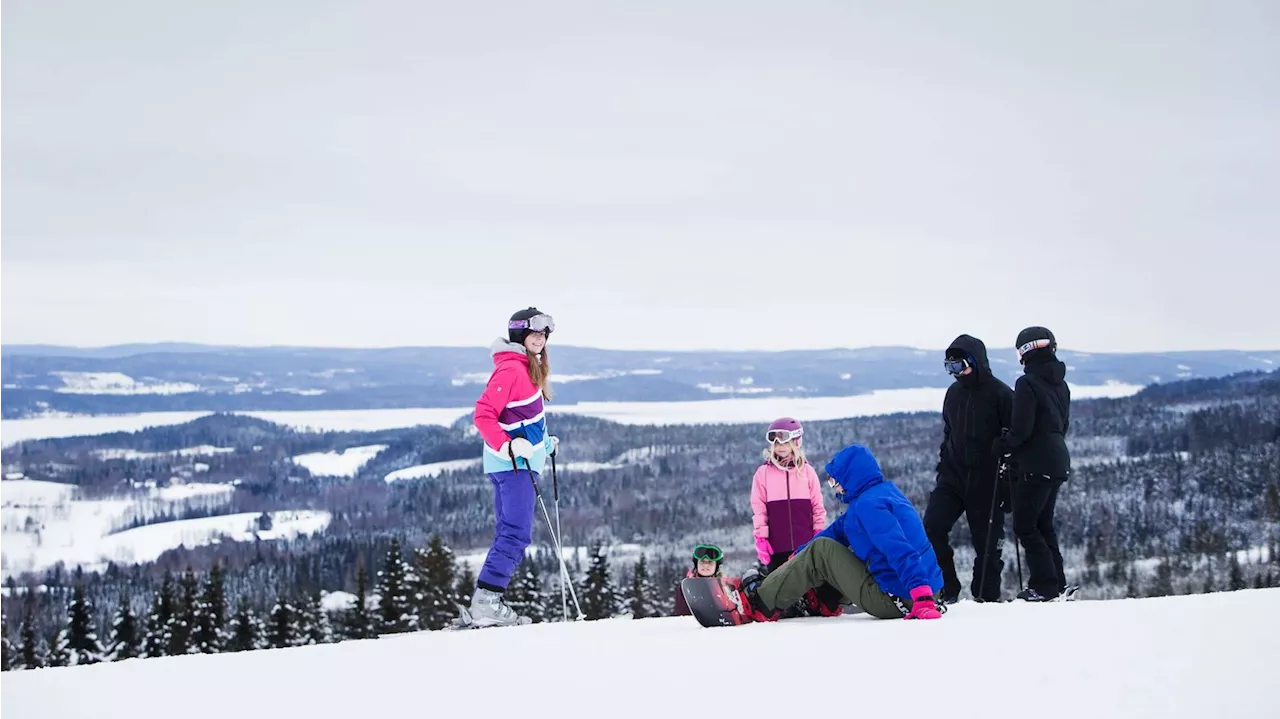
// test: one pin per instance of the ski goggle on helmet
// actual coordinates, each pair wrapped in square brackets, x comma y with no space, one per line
[708,553]
[1032,346]
[537,323]
[784,430]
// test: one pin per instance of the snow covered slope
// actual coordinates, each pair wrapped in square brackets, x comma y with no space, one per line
[338,464]
[1194,656]
[43,523]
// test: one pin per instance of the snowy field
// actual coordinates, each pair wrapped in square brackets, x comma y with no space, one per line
[1193,656]
[44,523]
[432,470]
[733,410]
[338,464]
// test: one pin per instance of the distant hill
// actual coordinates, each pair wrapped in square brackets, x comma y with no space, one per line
[170,377]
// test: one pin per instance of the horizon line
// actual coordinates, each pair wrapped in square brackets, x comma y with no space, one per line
[385,348]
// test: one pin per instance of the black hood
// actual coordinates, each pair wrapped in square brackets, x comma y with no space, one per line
[1046,367]
[973,347]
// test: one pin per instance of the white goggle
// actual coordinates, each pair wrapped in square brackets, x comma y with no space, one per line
[782,436]
[1033,345]
[537,323]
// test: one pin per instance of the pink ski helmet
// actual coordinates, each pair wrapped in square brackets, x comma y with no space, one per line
[785,429]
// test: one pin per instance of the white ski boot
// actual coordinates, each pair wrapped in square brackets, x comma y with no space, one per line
[489,610]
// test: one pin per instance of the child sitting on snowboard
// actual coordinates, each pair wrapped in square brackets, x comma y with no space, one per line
[706,563]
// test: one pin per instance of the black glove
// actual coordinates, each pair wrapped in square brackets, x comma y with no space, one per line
[1000,446]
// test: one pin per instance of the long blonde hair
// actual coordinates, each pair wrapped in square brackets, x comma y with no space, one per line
[540,371]
[798,457]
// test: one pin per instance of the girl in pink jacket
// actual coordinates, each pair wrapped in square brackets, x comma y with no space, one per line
[786,497]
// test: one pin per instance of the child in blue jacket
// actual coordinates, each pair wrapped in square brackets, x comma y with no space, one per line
[876,554]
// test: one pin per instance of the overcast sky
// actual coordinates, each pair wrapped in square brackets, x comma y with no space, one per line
[666,175]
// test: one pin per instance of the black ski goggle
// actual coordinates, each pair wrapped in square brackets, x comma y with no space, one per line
[956,366]
[707,552]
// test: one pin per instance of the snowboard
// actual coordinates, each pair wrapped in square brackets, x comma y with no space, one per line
[711,604]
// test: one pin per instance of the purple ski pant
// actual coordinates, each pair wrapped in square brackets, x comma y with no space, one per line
[513,503]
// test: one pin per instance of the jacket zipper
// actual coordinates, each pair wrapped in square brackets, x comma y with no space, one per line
[791,525]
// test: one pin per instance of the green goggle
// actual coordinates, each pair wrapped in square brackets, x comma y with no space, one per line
[708,552]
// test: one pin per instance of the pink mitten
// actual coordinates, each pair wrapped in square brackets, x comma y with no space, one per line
[923,606]
[763,550]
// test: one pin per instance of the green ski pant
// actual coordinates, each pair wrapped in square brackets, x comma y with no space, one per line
[826,560]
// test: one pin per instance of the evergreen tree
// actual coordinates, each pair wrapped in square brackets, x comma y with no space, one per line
[7,657]
[1162,586]
[125,642]
[358,623]
[211,613]
[525,592]
[182,621]
[283,631]
[158,625]
[642,598]
[1236,582]
[313,622]
[60,654]
[1257,581]
[394,609]
[246,632]
[30,652]
[1208,584]
[435,585]
[466,584]
[599,597]
[1131,591]
[83,646]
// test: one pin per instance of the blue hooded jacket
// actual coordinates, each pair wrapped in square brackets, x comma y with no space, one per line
[880,526]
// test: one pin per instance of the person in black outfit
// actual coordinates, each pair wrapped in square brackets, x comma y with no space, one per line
[978,406]
[1036,447]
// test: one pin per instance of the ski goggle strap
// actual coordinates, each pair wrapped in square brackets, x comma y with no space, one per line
[782,436]
[709,552]
[1033,345]
[956,366]
[537,323]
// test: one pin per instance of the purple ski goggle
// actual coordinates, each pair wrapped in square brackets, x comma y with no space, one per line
[537,323]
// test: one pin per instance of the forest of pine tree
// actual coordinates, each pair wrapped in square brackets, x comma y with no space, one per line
[1175,490]
[190,616]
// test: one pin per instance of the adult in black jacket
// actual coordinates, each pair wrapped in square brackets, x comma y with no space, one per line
[1036,446]
[977,408]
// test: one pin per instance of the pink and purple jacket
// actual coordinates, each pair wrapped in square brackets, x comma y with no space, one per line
[511,407]
[787,506]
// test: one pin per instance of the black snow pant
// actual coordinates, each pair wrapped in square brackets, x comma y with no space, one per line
[947,502]
[1034,499]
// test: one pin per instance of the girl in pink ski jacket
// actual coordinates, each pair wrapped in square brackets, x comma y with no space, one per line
[786,496]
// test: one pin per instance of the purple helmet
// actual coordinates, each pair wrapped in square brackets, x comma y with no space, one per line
[785,429]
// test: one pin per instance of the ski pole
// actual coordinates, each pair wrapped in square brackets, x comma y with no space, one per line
[555,491]
[1018,550]
[555,539]
[986,549]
